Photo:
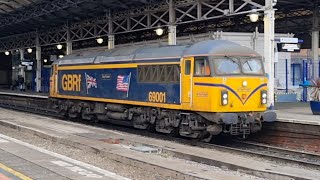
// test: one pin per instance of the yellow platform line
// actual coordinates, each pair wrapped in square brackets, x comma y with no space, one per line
[16,173]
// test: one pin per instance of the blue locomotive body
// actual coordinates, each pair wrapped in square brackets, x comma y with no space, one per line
[115,84]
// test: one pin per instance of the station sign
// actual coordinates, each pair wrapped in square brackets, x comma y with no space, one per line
[289,47]
[289,40]
[26,63]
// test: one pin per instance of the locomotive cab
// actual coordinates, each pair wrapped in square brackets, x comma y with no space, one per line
[227,89]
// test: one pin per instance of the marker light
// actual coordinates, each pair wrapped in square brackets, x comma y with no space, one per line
[244,83]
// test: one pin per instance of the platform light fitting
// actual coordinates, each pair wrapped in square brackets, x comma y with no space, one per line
[45,60]
[274,2]
[7,53]
[254,16]
[59,46]
[61,56]
[159,31]
[29,50]
[99,40]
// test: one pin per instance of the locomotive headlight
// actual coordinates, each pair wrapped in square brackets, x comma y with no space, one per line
[264,101]
[264,97]
[225,102]
[224,97]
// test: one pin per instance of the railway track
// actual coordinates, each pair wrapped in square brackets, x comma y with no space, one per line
[281,155]
[268,152]
[276,153]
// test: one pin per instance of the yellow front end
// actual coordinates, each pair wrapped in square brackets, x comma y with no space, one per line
[229,94]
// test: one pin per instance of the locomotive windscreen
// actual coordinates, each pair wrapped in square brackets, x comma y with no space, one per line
[237,65]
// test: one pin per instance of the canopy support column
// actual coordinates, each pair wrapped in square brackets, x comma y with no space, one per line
[39,65]
[69,42]
[172,36]
[22,72]
[269,19]
[111,38]
[315,40]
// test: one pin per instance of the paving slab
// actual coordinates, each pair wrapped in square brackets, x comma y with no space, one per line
[30,162]
[83,136]
[299,113]
[24,93]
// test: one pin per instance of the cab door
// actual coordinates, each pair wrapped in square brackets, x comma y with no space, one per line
[186,82]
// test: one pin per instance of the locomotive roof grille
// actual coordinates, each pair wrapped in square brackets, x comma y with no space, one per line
[140,53]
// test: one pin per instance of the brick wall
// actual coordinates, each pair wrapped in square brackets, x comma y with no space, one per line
[304,142]
[291,136]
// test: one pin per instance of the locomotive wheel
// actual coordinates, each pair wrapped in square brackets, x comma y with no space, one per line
[208,138]
[94,120]
[175,133]
[151,128]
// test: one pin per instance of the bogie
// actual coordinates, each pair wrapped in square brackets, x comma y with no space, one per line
[166,121]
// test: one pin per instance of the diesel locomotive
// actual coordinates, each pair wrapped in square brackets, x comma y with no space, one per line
[198,90]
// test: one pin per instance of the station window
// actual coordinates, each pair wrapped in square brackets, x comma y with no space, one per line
[159,73]
[201,67]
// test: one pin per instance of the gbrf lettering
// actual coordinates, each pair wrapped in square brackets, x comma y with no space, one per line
[71,82]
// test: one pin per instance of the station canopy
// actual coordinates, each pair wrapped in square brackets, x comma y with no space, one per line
[23,16]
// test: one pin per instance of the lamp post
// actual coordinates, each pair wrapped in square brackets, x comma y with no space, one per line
[269,21]
[269,44]
[7,53]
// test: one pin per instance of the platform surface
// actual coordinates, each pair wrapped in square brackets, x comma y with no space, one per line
[298,112]
[20,160]
[23,93]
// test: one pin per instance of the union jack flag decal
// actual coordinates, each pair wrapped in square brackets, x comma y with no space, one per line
[91,82]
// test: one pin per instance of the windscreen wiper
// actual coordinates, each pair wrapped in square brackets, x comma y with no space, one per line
[248,65]
[232,60]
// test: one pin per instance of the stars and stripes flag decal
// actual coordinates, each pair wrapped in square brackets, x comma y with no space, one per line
[91,82]
[123,83]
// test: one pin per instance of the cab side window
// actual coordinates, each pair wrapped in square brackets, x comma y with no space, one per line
[201,67]
[187,70]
